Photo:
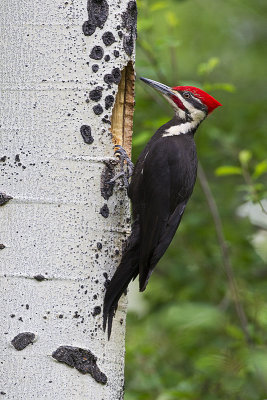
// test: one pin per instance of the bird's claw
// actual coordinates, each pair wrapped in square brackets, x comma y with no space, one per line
[126,166]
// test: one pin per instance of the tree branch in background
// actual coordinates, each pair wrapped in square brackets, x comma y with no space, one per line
[224,251]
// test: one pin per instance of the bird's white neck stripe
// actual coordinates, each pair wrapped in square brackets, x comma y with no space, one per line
[180,129]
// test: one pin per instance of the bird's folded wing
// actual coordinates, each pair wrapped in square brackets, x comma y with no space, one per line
[158,219]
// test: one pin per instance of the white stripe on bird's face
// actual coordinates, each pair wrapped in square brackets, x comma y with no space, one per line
[196,116]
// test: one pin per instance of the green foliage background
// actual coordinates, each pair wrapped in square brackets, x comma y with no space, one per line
[190,343]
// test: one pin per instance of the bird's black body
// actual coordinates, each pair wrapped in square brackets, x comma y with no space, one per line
[162,182]
[161,185]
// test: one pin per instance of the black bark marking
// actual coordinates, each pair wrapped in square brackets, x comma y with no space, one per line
[116,53]
[17,159]
[98,109]
[23,340]
[107,174]
[86,134]
[97,16]
[129,20]
[95,68]
[81,359]
[97,311]
[104,211]
[109,100]
[4,198]
[128,44]
[96,93]
[129,17]
[116,73]
[88,29]
[107,280]
[106,121]
[108,38]
[3,159]
[107,58]
[108,78]
[39,278]
[99,245]
[2,246]
[97,53]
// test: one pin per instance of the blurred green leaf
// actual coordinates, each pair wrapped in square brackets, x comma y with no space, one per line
[257,362]
[172,19]
[194,316]
[159,5]
[209,66]
[262,316]
[244,157]
[227,87]
[234,331]
[145,24]
[260,169]
[228,170]
[141,138]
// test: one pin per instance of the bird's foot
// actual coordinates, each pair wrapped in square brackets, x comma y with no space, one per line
[126,166]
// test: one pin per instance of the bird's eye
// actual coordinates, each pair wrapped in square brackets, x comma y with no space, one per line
[187,95]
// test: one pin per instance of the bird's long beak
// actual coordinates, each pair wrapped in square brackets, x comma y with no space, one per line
[158,86]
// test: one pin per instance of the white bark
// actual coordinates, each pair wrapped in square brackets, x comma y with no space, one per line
[52,225]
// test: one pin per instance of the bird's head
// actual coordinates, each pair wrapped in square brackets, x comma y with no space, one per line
[189,103]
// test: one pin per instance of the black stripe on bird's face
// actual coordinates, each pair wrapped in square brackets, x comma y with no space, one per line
[194,101]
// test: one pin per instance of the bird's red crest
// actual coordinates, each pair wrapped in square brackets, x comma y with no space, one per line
[206,98]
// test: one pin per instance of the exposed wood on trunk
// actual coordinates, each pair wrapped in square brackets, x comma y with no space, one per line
[122,115]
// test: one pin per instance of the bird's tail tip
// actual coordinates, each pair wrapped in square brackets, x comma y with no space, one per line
[108,315]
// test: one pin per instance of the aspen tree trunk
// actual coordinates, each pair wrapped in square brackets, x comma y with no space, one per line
[62,66]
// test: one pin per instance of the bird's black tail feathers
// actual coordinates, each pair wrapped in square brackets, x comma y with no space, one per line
[126,271]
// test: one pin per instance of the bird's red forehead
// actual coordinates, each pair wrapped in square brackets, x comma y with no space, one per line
[206,98]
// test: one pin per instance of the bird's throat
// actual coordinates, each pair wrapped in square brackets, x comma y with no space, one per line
[181,129]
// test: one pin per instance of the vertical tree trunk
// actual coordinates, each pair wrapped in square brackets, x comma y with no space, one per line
[63,64]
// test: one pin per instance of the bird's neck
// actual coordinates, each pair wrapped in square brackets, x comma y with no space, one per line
[178,126]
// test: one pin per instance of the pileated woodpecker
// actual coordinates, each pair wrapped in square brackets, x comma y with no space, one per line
[161,185]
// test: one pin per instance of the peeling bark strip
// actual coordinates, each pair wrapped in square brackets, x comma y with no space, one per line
[107,174]
[4,198]
[81,359]
[97,15]
[122,114]
[23,340]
